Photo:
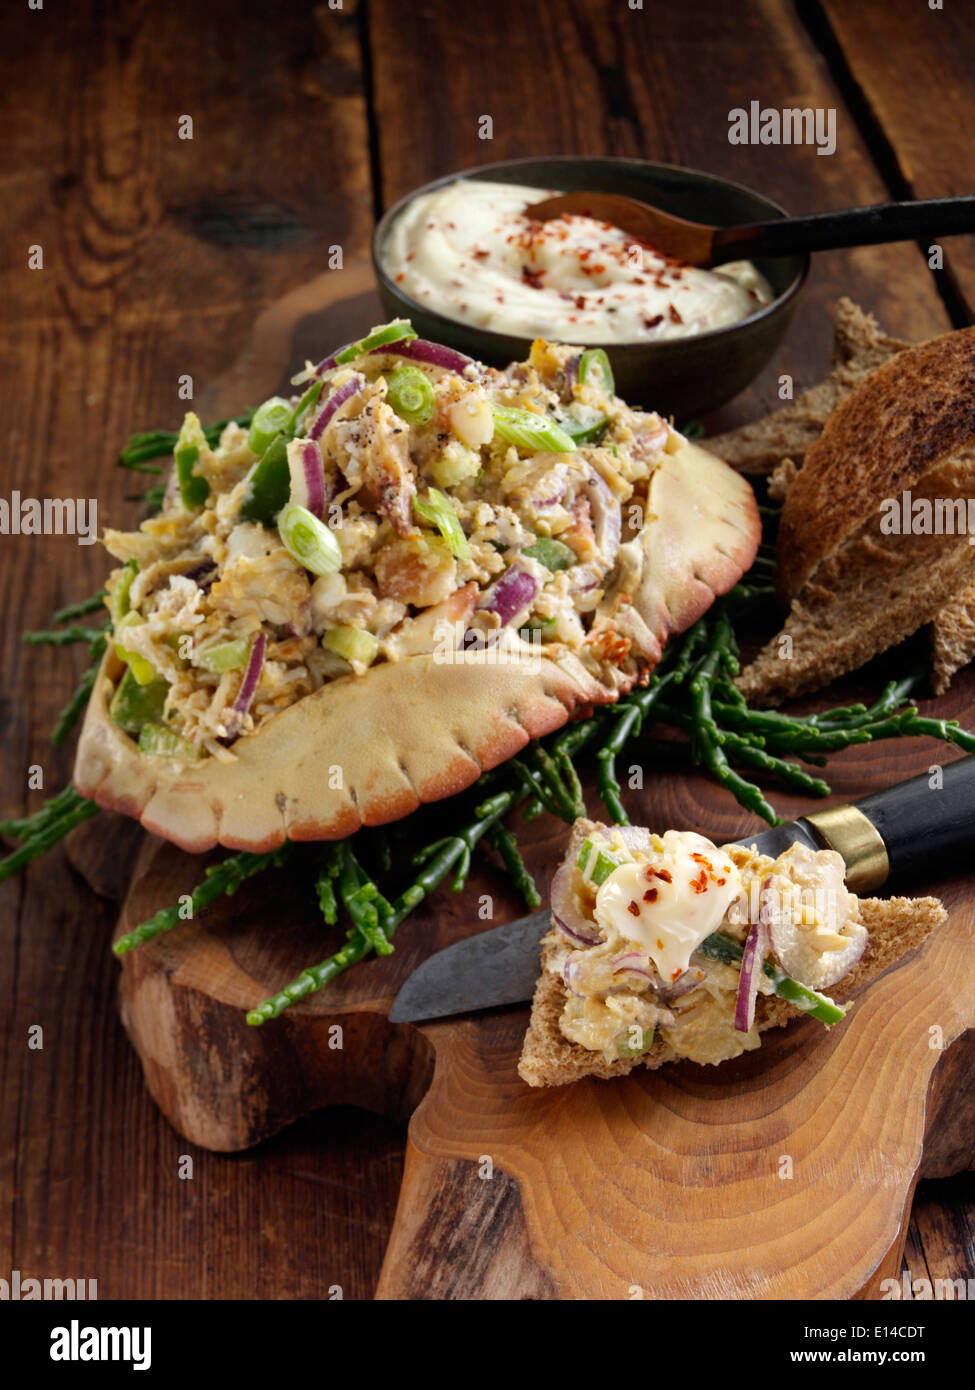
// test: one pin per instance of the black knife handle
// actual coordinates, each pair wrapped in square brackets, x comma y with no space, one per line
[926,818]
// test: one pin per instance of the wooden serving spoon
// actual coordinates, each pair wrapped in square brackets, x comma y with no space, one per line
[700,245]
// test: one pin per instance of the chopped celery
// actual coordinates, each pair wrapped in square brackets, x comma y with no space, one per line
[354,644]
[134,705]
[594,367]
[410,393]
[142,670]
[193,489]
[225,656]
[437,508]
[309,540]
[160,742]
[554,555]
[527,430]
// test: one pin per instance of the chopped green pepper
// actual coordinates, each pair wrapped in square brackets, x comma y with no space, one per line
[134,705]
[602,864]
[585,433]
[120,601]
[554,555]
[224,656]
[193,489]
[142,670]
[626,1048]
[719,947]
[270,479]
[160,742]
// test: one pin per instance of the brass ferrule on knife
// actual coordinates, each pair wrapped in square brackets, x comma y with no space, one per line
[857,840]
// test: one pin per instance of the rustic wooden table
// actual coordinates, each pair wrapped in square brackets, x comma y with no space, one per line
[160,254]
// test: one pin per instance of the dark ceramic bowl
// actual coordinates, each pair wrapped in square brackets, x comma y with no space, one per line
[685,377]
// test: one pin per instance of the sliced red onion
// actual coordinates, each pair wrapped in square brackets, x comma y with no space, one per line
[634,837]
[756,946]
[565,910]
[571,375]
[420,350]
[511,595]
[202,574]
[252,675]
[569,972]
[346,391]
[573,935]
[307,468]
[684,983]
[633,963]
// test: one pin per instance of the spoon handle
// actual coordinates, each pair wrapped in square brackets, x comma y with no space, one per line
[825,231]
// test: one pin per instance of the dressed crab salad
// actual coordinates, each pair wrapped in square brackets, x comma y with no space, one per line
[672,939]
[402,499]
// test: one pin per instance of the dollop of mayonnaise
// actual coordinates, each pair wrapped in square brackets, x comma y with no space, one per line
[468,250]
[667,903]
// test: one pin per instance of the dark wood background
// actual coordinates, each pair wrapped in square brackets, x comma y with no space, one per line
[160,254]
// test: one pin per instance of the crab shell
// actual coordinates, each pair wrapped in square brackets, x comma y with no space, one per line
[366,750]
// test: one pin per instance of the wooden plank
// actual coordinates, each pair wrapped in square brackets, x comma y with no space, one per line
[596,77]
[915,70]
[159,255]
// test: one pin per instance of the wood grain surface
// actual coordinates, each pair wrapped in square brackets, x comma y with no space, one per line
[164,257]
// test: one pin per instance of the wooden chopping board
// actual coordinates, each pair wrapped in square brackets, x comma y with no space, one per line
[788,1173]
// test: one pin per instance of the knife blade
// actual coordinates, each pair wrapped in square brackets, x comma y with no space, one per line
[899,830]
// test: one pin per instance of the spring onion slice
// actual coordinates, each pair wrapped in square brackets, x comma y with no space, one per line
[309,540]
[437,509]
[410,393]
[594,367]
[526,430]
[394,332]
[269,420]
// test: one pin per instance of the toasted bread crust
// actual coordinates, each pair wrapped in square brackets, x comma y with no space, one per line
[896,926]
[952,638]
[871,593]
[906,417]
[859,345]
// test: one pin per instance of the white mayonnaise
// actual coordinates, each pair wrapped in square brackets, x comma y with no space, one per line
[666,905]
[468,251]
